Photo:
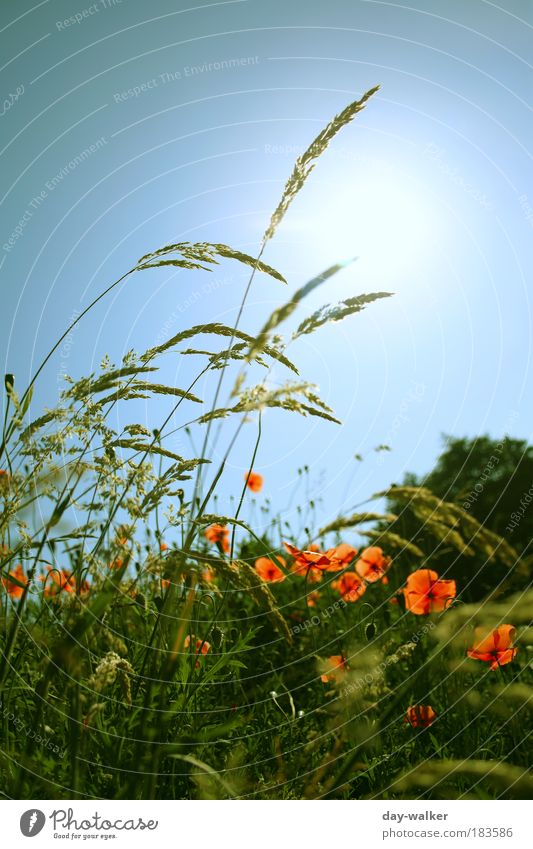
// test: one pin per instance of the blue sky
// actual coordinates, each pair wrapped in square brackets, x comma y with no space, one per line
[193,115]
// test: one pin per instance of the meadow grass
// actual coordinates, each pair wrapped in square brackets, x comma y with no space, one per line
[154,648]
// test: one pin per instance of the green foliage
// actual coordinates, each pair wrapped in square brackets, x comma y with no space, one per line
[146,653]
[488,480]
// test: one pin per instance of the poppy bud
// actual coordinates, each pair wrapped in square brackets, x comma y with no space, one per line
[370,631]
[217,635]
[9,382]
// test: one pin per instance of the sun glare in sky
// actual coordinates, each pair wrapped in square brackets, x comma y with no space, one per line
[384,219]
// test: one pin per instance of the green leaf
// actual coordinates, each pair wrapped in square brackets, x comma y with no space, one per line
[208,770]
[244,577]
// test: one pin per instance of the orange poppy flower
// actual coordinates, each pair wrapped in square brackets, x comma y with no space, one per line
[425,593]
[336,669]
[350,586]
[268,571]
[340,557]
[13,589]
[163,547]
[495,647]
[420,716]
[254,481]
[313,573]
[312,598]
[122,535]
[202,647]
[165,583]
[58,580]
[117,563]
[218,534]
[372,564]
[310,557]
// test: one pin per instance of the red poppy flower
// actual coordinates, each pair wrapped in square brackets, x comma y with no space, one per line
[340,557]
[202,647]
[218,534]
[350,586]
[13,589]
[425,593]
[335,670]
[312,573]
[310,557]
[420,716]
[267,569]
[372,564]
[495,647]
[59,580]
[254,481]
